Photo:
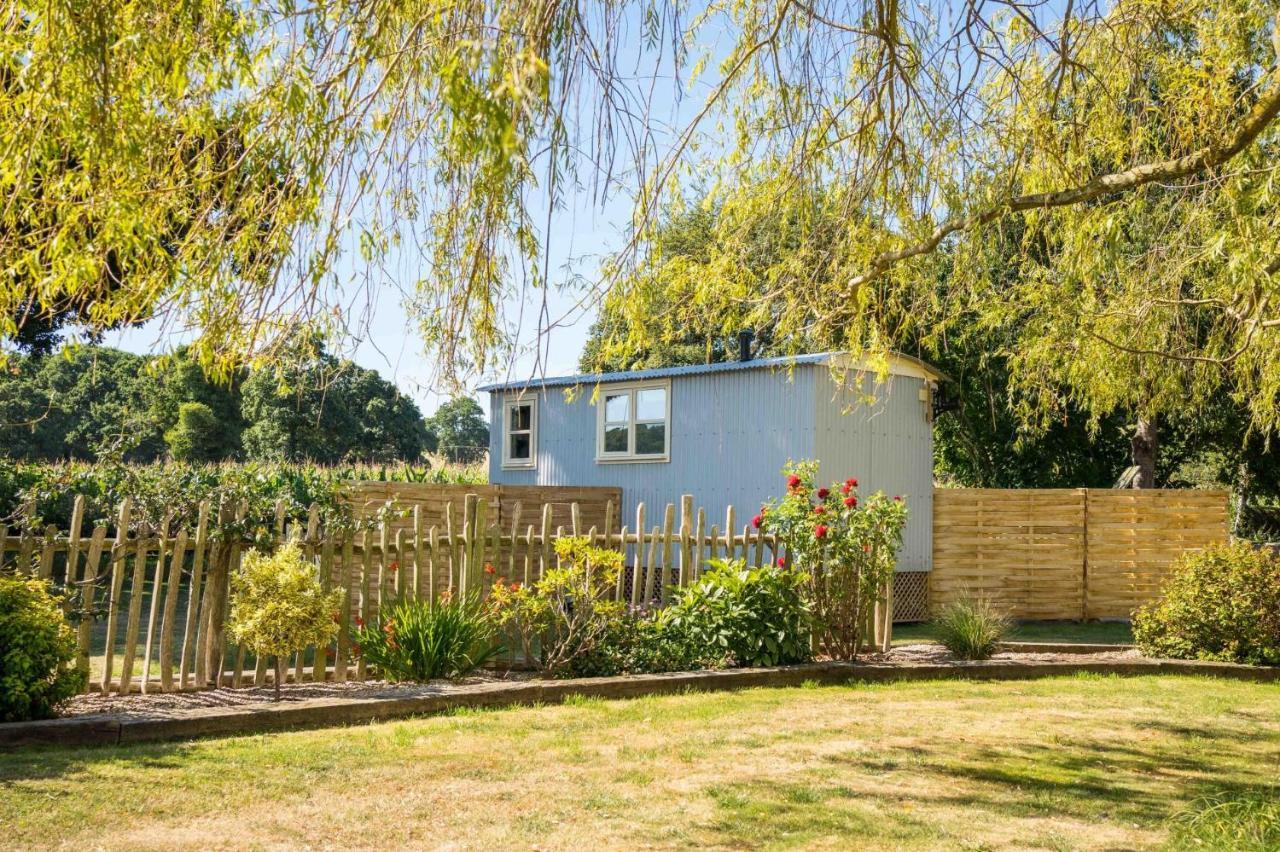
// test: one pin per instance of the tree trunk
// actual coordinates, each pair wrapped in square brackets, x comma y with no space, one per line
[1144,447]
[279,676]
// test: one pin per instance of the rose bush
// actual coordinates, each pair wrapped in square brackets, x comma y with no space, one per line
[846,546]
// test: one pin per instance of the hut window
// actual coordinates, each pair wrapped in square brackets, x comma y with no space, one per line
[634,423]
[520,433]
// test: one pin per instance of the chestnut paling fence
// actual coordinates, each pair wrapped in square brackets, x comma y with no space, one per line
[151,603]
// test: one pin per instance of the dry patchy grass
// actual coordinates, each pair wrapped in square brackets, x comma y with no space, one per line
[1064,763]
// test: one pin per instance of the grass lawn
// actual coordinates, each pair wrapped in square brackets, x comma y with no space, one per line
[1104,632]
[1080,762]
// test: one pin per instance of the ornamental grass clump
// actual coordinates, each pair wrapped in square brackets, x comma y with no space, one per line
[972,627]
[278,606]
[414,639]
[845,545]
[565,615]
[1222,603]
[37,651]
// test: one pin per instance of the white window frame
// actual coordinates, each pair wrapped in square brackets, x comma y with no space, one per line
[630,456]
[508,403]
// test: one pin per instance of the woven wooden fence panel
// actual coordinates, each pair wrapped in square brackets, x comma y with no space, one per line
[1022,548]
[1066,553]
[432,500]
[1135,537]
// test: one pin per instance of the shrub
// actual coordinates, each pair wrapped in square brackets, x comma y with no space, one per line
[1222,603]
[278,606]
[563,616]
[848,548]
[412,639]
[971,627]
[37,651]
[639,643]
[753,616]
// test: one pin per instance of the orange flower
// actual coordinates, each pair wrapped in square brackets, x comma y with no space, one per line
[393,566]
[488,568]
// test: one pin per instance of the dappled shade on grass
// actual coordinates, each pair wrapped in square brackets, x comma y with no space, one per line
[1066,761]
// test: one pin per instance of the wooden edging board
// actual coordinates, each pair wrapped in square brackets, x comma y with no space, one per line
[111,729]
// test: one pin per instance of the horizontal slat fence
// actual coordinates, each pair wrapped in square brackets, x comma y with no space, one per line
[1048,554]
[165,591]
[1134,537]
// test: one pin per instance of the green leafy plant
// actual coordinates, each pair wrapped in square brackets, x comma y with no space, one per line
[564,615]
[278,606]
[752,616]
[37,651]
[643,642]
[971,627]
[1222,603]
[415,639]
[845,545]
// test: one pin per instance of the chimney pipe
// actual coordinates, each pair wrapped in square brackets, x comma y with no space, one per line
[744,344]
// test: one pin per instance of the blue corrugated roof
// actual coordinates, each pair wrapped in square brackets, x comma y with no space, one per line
[664,372]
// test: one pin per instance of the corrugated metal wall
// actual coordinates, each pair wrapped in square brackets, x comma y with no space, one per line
[887,444]
[731,435]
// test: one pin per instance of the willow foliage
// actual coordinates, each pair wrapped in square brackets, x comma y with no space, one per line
[241,168]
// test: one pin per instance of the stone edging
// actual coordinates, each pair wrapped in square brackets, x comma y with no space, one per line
[110,729]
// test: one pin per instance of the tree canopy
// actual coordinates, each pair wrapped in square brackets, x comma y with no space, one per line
[225,159]
[459,431]
[95,402]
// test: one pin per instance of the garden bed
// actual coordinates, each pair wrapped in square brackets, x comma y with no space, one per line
[137,718]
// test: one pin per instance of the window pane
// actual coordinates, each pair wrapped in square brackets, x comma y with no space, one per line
[651,439]
[615,439]
[520,417]
[616,408]
[651,404]
[520,447]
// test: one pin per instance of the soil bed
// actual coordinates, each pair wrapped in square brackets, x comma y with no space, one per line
[174,704]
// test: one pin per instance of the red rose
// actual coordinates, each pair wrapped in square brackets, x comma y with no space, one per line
[819,510]
[820,531]
[851,482]
[488,568]
[359,621]
[793,481]
[845,489]
[822,493]
[393,566]
[782,562]
[851,501]
[757,521]
[897,499]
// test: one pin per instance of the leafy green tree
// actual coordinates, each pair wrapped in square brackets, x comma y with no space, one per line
[326,410]
[459,430]
[84,403]
[195,437]
[177,379]
[1135,141]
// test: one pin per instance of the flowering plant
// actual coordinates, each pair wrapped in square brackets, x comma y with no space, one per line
[414,640]
[846,545]
[566,613]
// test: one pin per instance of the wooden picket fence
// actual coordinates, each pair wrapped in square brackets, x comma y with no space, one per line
[165,592]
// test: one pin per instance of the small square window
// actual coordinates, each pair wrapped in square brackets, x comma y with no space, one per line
[633,424]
